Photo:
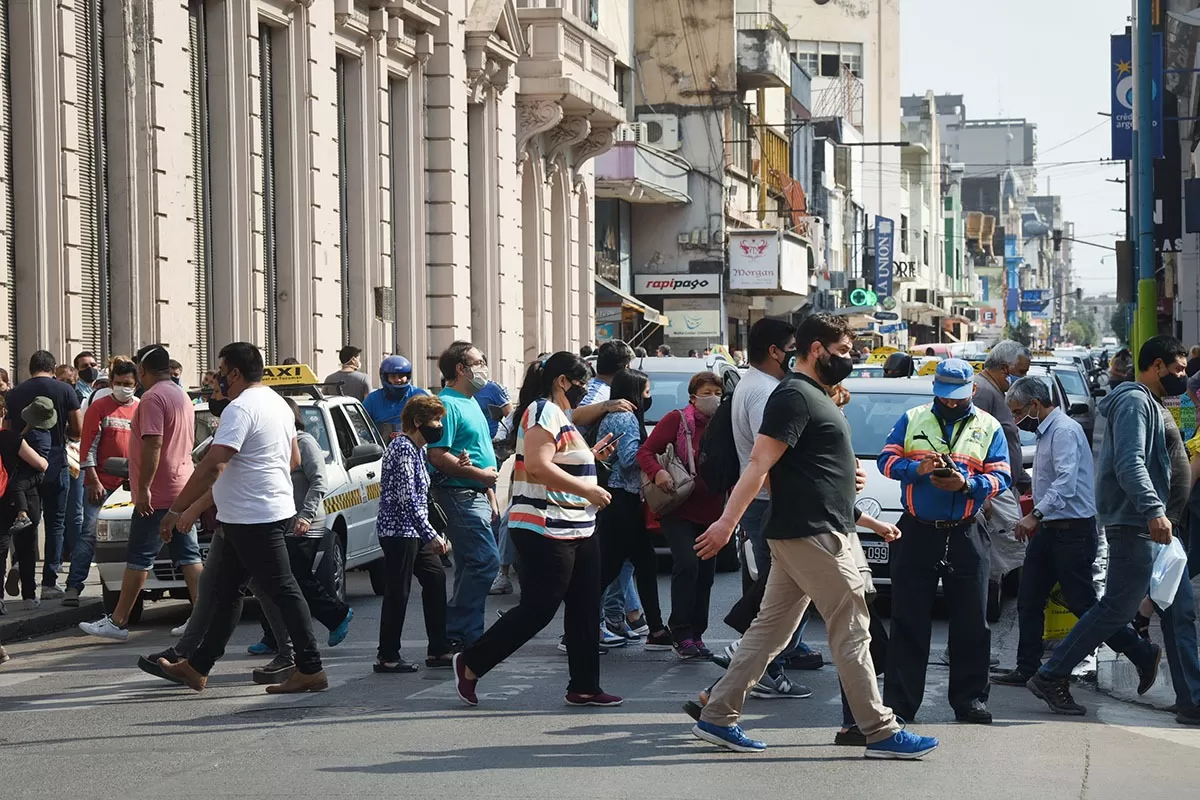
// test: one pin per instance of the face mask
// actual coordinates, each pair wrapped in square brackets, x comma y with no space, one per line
[708,404]
[89,374]
[1011,379]
[1029,423]
[575,395]
[175,381]
[835,369]
[646,403]
[217,407]
[953,414]
[789,360]
[432,434]
[122,394]
[223,383]
[1173,385]
[479,377]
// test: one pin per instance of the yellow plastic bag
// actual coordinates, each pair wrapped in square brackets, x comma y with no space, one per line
[1059,620]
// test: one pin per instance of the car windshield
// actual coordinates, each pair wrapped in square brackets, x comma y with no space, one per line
[872,415]
[1073,382]
[670,393]
[867,371]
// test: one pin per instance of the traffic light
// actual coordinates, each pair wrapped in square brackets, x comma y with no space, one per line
[1078,295]
[1058,236]
[863,297]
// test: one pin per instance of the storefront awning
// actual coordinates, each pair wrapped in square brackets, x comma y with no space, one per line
[650,314]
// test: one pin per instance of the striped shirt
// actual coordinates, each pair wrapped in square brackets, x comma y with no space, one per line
[545,511]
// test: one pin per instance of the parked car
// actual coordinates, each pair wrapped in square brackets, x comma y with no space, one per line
[353,451]
[1080,396]
[875,406]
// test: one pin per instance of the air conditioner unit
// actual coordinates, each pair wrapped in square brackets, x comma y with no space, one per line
[661,130]
[631,132]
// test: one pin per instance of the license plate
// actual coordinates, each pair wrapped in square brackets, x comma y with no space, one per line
[877,552]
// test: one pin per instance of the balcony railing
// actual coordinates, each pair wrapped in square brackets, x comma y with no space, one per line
[587,11]
[762,56]
[562,44]
[759,21]
[777,155]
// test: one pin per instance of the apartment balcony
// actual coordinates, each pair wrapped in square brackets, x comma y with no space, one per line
[762,52]
[777,153]
[568,60]
[640,173]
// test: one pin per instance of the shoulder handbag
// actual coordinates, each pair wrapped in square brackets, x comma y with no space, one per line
[662,502]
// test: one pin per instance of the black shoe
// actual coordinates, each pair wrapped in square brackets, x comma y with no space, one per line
[660,641]
[149,664]
[809,661]
[721,660]
[1148,672]
[1057,694]
[975,714]
[693,709]
[279,670]
[852,737]
[1011,678]
[456,646]
[1188,716]
[439,662]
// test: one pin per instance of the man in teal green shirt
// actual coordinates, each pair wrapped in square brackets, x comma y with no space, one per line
[463,466]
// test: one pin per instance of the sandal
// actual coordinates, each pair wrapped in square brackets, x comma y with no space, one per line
[439,662]
[399,665]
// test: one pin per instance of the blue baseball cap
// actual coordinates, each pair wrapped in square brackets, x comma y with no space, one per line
[954,379]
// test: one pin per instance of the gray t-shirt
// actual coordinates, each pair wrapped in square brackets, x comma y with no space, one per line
[990,399]
[354,384]
[749,400]
[1181,472]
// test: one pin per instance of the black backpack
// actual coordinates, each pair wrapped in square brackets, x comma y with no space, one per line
[719,466]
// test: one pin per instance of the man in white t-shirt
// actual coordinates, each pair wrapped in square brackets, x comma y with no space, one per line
[247,475]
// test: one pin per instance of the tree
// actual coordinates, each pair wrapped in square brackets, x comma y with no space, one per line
[1119,324]
[1023,333]
[1080,330]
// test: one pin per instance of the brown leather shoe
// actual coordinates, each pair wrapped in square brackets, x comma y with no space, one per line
[183,672]
[299,682]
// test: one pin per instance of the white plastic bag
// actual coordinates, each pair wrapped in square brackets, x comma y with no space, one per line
[1170,561]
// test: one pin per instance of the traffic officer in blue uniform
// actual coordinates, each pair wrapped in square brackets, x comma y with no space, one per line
[951,459]
[396,388]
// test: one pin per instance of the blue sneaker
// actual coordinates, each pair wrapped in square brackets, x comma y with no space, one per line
[731,738]
[338,634]
[903,745]
[261,649]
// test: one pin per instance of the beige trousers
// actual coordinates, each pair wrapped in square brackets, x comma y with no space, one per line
[822,569]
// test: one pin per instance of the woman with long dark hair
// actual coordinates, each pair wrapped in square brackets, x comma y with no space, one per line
[621,526]
[551,522]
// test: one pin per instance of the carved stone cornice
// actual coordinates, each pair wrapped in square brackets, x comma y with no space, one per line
[491,77]
[570,132]
[534,116]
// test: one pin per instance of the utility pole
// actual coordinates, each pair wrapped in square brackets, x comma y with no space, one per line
[760,100]
[1144,135]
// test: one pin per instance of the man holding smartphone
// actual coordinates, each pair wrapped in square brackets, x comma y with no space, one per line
[950,458]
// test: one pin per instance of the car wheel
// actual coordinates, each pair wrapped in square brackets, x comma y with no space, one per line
[727,560]
[377,570]
[110,599]
[332,572]
[994,596]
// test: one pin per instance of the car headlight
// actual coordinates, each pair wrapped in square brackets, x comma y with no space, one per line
[869,506]
[112,530]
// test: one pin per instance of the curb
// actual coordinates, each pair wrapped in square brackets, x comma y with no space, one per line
[25,624]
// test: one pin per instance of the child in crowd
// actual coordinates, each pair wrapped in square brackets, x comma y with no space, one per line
[40,417]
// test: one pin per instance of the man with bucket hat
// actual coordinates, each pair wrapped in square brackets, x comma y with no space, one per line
[950,459]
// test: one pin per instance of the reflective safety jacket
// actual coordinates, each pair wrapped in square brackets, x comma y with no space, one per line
[976,445]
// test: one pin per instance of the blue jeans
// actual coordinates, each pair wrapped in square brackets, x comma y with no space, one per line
[476,560]
[85,546]
[508,551]
[73,518]
[1130,561]
[621,595]
[54,491]
[754,522]
[1179,640]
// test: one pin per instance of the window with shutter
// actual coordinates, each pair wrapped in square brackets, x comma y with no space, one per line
[93,216]
[270,229]
[343,193]
[201,185]
[8,291]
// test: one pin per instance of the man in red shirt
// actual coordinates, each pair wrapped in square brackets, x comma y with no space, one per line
[107,429]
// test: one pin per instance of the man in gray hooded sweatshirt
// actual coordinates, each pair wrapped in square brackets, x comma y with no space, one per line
[1133,480]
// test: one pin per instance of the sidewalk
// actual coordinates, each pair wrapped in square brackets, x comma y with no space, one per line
[52,616]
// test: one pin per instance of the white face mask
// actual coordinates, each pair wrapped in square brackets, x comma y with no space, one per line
[123,394]
[708,404]
[479,376]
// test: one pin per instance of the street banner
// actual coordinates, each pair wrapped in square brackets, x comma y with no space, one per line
[1121,71]
[884,232]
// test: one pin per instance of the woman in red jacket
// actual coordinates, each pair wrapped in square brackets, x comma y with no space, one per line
[691,578]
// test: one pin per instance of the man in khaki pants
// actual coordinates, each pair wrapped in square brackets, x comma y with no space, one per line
[804,446]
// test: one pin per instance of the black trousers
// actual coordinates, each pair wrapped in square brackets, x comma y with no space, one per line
[691,579]
[915,573]
[404,558]
[622,531]
[556,572]
[23,492]
[23,542]
[257,552]
[323,606]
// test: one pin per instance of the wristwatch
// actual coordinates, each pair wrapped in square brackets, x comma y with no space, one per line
[1038,515]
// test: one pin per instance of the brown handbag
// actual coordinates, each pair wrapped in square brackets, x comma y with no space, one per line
[660,501]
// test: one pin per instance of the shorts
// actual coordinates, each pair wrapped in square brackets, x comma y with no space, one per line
[143,546]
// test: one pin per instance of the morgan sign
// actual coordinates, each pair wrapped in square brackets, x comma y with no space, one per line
[754,259]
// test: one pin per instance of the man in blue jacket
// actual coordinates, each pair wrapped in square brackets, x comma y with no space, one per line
[1133,480]
[950,459]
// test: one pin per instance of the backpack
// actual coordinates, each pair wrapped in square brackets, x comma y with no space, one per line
[719,466]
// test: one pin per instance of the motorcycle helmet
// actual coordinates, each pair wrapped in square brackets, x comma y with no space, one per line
[395,365]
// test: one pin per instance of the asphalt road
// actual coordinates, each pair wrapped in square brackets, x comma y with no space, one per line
[80,720]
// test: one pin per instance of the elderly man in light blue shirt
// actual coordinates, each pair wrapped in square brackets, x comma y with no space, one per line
[1061,530]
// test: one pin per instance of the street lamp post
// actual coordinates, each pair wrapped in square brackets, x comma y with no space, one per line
[1146,320]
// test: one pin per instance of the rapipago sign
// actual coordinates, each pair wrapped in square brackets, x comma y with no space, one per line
[676,285]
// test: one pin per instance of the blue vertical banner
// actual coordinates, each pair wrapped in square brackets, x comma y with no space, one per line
[1012,266]
[885,230]
[1121,73]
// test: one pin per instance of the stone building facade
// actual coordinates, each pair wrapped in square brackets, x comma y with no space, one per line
[300,174]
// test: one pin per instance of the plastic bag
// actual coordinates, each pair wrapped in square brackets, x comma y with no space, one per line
[1170,561]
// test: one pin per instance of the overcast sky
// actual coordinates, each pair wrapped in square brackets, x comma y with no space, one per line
[1046,61]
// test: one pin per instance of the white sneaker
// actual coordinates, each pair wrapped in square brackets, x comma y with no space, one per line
[32,604]
[52,593]
[502,585]
[105,628]
[732,648]
[182,629]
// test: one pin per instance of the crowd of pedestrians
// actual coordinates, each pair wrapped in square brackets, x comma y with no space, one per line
[589,480]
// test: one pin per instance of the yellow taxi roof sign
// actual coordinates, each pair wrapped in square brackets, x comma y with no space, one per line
[289,375]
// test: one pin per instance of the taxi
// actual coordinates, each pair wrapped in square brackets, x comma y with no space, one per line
[353,450]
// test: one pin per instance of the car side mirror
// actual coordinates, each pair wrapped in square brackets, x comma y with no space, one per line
[1078,410]
[1099,391]
[364,454]
[116,466]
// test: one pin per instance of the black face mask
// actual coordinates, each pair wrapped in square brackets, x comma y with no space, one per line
[835,369]
[217,407]
[953,414]
[432,434]
[789,360]
[1029,424]
[1173,385]
[646,403]
[89,374]
[575,395]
